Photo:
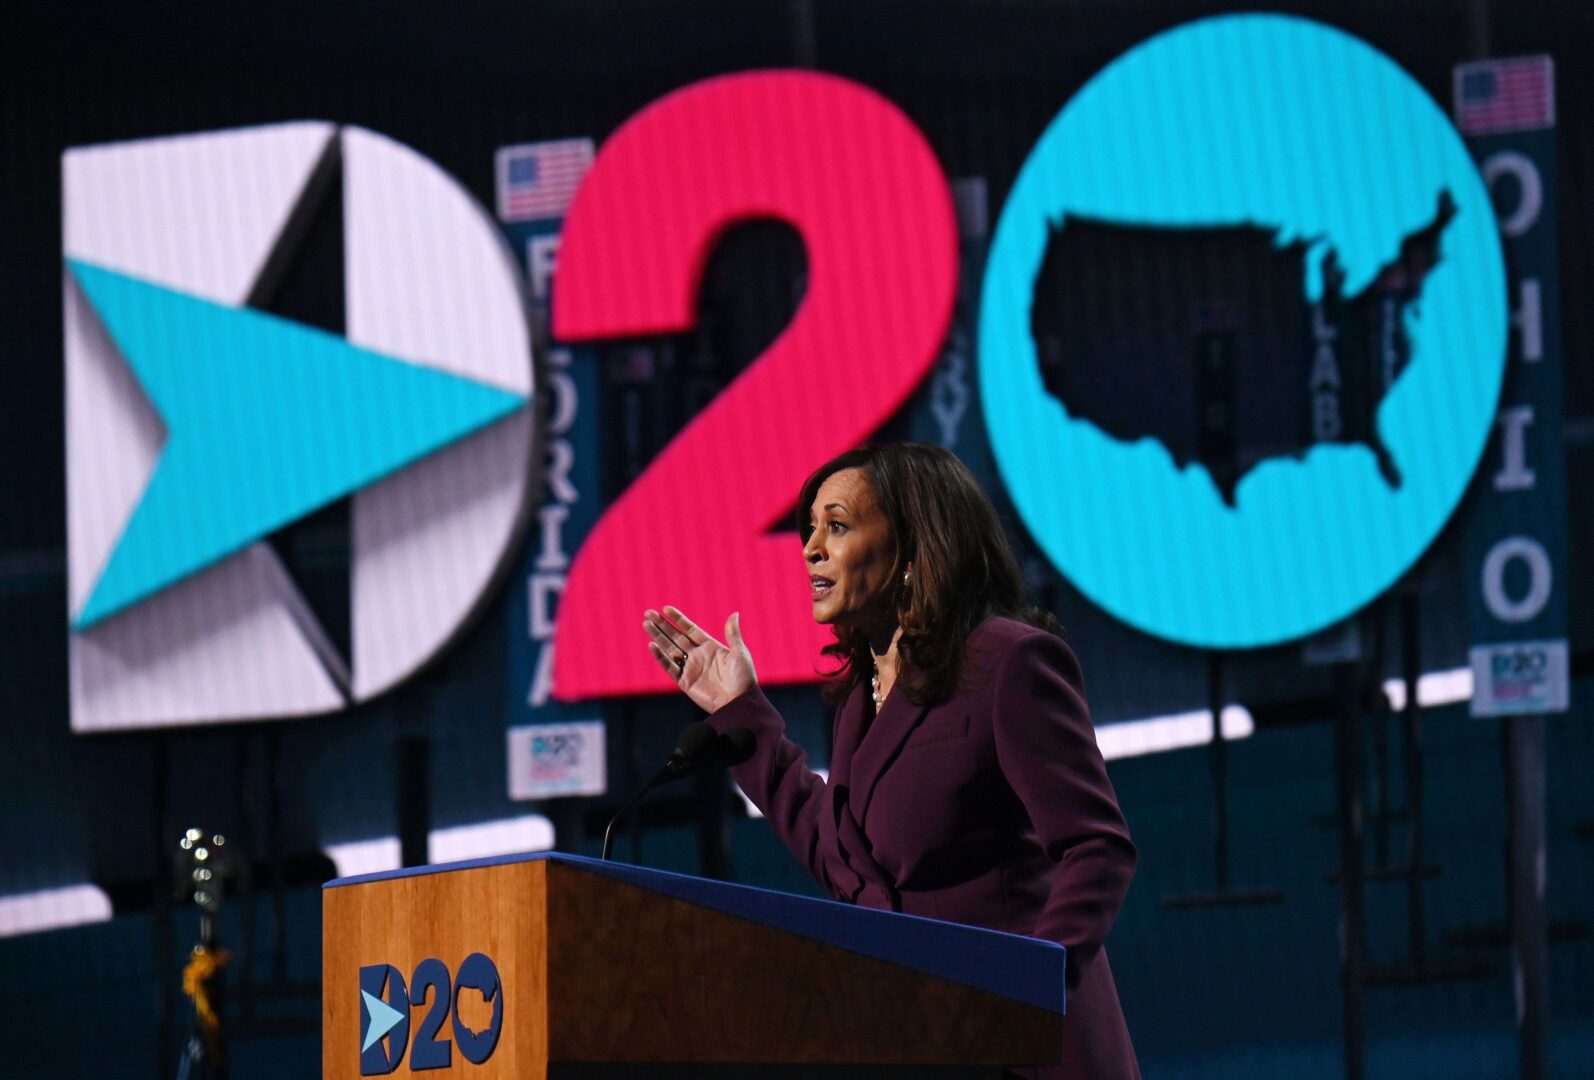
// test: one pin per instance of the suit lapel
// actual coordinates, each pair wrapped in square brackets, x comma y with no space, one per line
[872,886]
[879,746]
[849,730]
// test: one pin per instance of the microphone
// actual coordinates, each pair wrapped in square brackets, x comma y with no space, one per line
[736,746]
[693,751]
[699,747]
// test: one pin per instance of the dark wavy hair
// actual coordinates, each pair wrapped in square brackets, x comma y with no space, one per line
[963,569]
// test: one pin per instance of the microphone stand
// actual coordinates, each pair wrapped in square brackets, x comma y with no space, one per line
[699,747]
[664,775]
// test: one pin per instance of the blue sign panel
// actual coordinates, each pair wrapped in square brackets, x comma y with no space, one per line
[1516,523]
[536,182]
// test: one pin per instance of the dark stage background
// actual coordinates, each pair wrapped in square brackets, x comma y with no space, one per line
[1209,989]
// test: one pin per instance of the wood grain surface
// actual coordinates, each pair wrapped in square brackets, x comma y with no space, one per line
[596,971]
[497,910]
[638,976]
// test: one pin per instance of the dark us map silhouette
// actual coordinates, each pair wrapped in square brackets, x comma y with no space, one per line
[1204,339]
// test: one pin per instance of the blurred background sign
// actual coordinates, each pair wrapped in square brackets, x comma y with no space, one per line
[1516,519]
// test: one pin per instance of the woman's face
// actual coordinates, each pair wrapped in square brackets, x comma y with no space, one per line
[849,553]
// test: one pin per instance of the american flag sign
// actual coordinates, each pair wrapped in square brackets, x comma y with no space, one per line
[536,181]
[1494,96]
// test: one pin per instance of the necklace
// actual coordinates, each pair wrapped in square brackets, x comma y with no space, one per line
[874,678]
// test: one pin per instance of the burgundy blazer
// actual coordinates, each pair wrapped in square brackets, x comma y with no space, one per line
[991,808]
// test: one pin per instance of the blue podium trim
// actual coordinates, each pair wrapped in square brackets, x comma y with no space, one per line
[1018,968]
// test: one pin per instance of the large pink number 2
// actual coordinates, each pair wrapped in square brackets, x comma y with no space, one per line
[858,182]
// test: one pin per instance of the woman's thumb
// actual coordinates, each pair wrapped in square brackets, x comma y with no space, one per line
[733,629]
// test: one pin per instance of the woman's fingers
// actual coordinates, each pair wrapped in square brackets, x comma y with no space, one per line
[717,673]
[687,626]
[672,669]
[669,638]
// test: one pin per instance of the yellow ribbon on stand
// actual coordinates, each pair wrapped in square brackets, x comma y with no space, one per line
[203,966]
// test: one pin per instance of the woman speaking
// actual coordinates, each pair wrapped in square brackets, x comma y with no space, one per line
[965,783]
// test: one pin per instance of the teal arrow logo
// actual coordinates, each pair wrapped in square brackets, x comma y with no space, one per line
[266,419]
[384,1018]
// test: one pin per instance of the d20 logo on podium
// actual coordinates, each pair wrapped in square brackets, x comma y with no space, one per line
[200,421]
[472,1001]
[384,1019]
[478,1008]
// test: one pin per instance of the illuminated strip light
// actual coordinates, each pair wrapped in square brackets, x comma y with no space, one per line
[1134,738]
[1124,739]
[484,839]
[53,909]
[1434,688]
[1178,731]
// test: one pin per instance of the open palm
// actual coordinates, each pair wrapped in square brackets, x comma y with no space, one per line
[709,673]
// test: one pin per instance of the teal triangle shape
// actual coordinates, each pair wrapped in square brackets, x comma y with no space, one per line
[384,1018]
[266,419]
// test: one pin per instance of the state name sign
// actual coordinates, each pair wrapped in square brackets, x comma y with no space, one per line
[1516,529]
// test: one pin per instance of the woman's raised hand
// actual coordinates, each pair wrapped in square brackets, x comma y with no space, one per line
[711,674]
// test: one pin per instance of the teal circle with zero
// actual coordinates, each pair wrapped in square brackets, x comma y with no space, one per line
[1284,124]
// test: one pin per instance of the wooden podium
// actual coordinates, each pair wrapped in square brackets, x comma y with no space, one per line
[535,966]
